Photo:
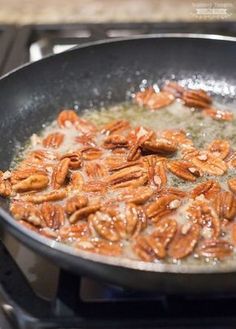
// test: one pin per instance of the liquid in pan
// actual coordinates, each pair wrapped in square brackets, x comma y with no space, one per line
[152,179]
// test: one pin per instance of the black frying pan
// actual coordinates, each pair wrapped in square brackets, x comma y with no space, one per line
[88,76]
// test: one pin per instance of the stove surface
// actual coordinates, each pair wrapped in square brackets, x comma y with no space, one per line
[67,301]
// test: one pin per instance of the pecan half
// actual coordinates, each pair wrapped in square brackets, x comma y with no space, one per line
[53,140]
[119,150]
[85,126]
[23,173]
[34,182]
[209,163]
[131,222]
[178,136]
[173,191]
[128,177]
[87,139]
[137,138]
[76,181]
[75,203]
[26,212]
[90,153]
[114,165]
[232,184]
[83,213]
[209,189]
[115,161]
[134,152]
[156,168]
[102,247]
[225,204]
[196,98]
[104,226]
[43,156]
[159,100]
[220,148]
[189,152]
[148,248]
[67,118]
[159,146]
[95,170]
[173,88]
[140,134]
[77,231]
[95,187]
[200,212]
[184,170]
[138,195]
[215,249]
[60,173]
[160,176]
[183,244]
[107,248]
[142,97]
[50,196]
[162,207]
[218,114]
[75,159]
[153,100]
[115,141]
[5,186]
[165,230]
[115,126]
[52,215]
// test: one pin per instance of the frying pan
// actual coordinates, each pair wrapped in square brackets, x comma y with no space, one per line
[100,74]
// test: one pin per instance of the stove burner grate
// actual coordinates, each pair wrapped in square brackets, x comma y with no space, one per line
[115,308]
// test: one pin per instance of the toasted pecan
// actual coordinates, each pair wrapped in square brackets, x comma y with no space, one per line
[184,243]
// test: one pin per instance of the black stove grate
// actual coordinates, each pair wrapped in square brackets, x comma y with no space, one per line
[36,41]
[124,309]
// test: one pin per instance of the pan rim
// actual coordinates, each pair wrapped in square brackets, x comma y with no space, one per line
[217,37]
[58,247]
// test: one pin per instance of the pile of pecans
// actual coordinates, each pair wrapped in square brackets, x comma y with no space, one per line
[110,192]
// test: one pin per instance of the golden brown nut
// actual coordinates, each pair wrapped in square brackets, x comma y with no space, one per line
[184,242]
[53,140]
[60,173]
[215,249]
[225,205]
[75,203]
[162,207]
[220,148]
[52,215]
[149,248]
[208,188]
[67,118]
[184,170]
[232,184]
[196,98]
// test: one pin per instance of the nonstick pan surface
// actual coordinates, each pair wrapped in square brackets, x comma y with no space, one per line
[101,74]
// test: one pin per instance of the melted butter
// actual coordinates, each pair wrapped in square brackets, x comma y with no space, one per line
[201,129]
